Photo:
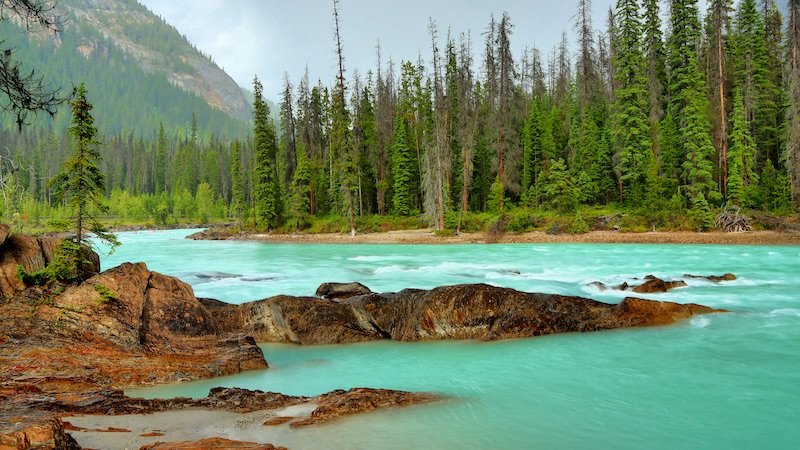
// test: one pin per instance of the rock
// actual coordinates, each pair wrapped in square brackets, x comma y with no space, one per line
[306,320]
[210,444]
[341,403]
[650,286]
[34,419]
[657,285]
[341,290]
[714,278]
[5,232]
[475,311]
[45,433]
[212,234]
[122,327]
[19,250]
[31,253]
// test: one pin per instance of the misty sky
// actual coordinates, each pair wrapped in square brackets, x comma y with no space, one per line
[270,37]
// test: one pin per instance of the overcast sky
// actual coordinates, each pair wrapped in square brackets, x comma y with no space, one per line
[270,37]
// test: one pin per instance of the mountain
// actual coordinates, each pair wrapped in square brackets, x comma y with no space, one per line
[159,48]
[140,72]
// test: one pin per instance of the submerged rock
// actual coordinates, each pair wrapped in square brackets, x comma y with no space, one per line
[653,284]
[657,285]
[714,278]
[210,444]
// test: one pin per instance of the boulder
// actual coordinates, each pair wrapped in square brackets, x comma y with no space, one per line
[341,290]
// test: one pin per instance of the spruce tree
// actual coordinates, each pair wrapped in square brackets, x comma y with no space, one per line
[688,102]
[402,171]
[299,191]
[751,68]
[631,128]
[266,191]
[237,183]
[81,185]
[740,155]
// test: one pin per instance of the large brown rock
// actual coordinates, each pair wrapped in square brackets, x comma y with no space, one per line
[475,311]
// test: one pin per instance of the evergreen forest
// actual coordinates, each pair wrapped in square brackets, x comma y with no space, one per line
[661,118]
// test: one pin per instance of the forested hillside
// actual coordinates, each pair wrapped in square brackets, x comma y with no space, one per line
[644,125]
[139,70]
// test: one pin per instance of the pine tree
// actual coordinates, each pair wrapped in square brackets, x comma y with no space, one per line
[559,187]
[771,133]
[751,67]
[237,183]
[688,102]
[701,213]
[631,130]
[299,191]
[266,191]
[81,185]
[740,155]
[653,46]
[402,171]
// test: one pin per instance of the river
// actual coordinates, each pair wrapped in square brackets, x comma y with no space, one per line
[719,381]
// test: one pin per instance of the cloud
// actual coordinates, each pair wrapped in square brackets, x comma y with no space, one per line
[268,37]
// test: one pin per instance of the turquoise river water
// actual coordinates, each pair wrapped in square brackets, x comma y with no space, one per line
[718,381]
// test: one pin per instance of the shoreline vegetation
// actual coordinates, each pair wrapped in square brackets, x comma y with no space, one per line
[429,236]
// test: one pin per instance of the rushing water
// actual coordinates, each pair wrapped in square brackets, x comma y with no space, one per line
[718,381]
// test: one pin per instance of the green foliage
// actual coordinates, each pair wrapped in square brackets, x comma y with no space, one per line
[559,187]
[127,96]
[105,294]
[67,266]
[81,184]
[631,128]
[267,191]
[741,153]
[497,197]
[402,171]
[701,213]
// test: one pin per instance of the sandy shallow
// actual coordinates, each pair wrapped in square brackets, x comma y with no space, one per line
[183,425]
[427,236]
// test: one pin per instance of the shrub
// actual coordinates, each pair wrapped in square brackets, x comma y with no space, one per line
[105,294]
[68,265]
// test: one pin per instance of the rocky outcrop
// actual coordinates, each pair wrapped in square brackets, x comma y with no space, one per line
[43,428]
[32,253]
[476,311]
[338,291]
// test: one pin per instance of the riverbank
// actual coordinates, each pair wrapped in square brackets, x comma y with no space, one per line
[428,236]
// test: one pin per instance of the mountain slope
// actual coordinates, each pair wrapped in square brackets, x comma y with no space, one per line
[139,71]
[159,48]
